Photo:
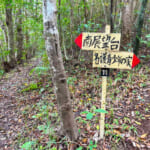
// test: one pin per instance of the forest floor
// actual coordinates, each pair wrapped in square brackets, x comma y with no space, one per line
[28,109]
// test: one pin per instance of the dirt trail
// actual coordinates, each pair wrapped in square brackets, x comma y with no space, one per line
[10,123]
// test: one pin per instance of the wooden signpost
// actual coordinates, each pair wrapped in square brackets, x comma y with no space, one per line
[118,60]
[106,55]
[99,41]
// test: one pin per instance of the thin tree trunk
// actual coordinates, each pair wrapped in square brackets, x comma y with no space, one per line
[85,12]
[19,37]
[111,16]
[139,26]
[2,56]
[126,23]
[3,27]
[71,24]
[59,77]
[59,23]
[120,12]
[9,23]
[27,37]
[104,9]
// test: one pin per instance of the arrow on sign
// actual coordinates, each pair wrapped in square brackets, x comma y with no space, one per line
[98,41]
[78,40]
[118,60]
[135,61]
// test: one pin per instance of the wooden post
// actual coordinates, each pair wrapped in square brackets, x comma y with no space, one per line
[105,53]
[103,100]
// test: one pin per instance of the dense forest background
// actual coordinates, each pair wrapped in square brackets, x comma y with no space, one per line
[29,117]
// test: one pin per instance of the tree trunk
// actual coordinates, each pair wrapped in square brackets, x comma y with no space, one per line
[139,26]
[19,37]
[27,36]
[3,27]
[9,23]
[104,9]
[85,12]
[71,25]
[59,76]
[127,23]
[59,22]
[111,16]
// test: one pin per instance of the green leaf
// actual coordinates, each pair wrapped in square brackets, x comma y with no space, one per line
[28,145]
[42,89]
[80,148]
[34,116]
[101,111]
[41,127]
[84,112]
[89,116]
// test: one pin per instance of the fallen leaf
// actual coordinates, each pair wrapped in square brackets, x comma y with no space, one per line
[143,136]
[147,115]
[138,123]
[84,140]
[19,120]
[117,132]
[88,127]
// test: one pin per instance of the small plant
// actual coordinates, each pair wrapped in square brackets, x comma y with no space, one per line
[46,129]
[126,119]
[32,86]
[90,115]
[30,145]
[147,42]
[132,128]
[1,72]
[45,60]
[71,80]
[39,70]
[91,145]
[125,127]
[81,120]
[115,121]
[143,85]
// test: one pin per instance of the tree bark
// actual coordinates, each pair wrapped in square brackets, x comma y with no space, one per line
[27,36]
[111,16]
[3,27]
[19,37]
[127,23]
[59,22]
[85,12]
[9,23]
[71,24]
[59,77]
[104,9]
[136,42]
